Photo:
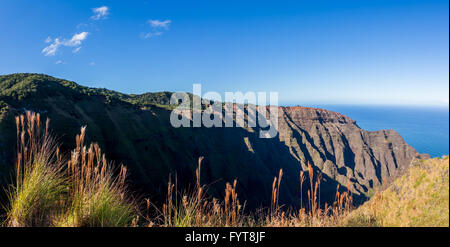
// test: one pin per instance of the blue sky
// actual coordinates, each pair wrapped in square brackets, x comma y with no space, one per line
[310,52]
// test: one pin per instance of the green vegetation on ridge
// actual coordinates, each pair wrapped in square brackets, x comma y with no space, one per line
[21,85]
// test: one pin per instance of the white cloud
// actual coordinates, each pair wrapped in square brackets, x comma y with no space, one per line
[159,24]
[76,50]
[150,34]
[75,41]
[100,13]
[59,62]
[92,64]
[52,48]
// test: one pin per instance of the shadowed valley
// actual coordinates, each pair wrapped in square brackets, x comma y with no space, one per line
[135,130]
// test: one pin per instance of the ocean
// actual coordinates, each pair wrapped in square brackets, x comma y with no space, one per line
[424,128]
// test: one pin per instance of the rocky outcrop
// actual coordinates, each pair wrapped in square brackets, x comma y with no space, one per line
[143,139]
[339,148]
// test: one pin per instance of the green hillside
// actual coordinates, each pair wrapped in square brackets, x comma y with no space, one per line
[21,85]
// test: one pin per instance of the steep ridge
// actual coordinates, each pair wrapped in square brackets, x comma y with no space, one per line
[339,148]
[135,130]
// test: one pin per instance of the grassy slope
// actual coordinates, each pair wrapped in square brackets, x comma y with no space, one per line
[418,198]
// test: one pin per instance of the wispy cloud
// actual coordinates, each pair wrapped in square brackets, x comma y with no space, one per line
[159,24]
[76,50]
[52,48]
[48,39]
[75,41]
[157,28]
[92,64]
[100,13]
[60,62]
[150,35]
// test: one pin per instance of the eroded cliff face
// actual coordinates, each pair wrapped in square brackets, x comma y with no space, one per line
[144,140]
[339,148]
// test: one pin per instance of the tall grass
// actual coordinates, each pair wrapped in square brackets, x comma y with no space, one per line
[192,208]
[52,191]
[97,196]
[39,181]
[313,215]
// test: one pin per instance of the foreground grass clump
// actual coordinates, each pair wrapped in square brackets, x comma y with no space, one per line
[418,198]
[85,192]
[98,197]
[40,182]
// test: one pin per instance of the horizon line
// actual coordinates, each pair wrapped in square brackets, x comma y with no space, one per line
[286,103]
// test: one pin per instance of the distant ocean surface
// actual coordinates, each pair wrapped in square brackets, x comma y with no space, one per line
[424,128]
